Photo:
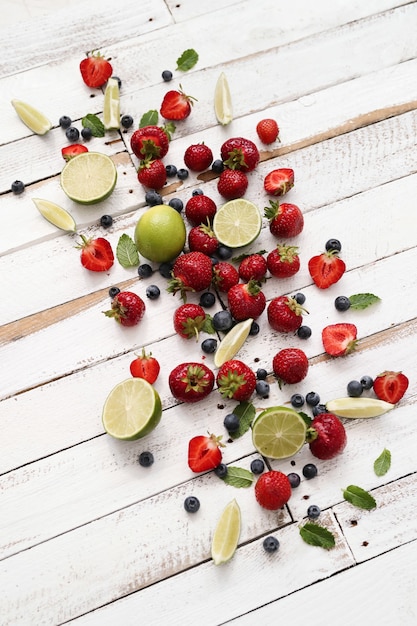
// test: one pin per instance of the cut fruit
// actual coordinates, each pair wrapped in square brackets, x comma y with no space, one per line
[226,534]
[89,177]
[237,223]
[357,408]
[132,409]
[55,214]
[279,432]
[34,119]
[111,111]
[232,342]
[223,101]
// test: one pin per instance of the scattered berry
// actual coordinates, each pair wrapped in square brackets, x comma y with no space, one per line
[300,298]
[270,544]
[225,276]
[283,261]
[318,409]
[65,122]
[253,267]
[236,380]
[153,292]
[262,389]
[333,244]
[176,105]
[200,209]
[367,382]
[232,184]
[152,174]
[171,170]
[106,221]
[209,346]
[217,166]
[267,130]
[146,459]
[312,398]
[72,134]
[182,173]
[177,204]
[222,321]
[339,339]
[354,388]
[294,479]
[145,270]
[313,511]
[297,400]
[191,504]
[304,332]
[279,182]
[207,299]
[231,422]
[390,386]
[191,382]
[272,490]
[290,365]
[95,70]
[167,75]
[192,271]
[127,308]
[221,470]
[224,253]
[239,153]
[96,254]
[342,303]
[86,133]
[113,291]
[189,319]
[126,121]
[204,453]
[17,187]
[326,268]
[145,366]
[246,300]
[198,157]
[257,466]
[153,198]
[284,314]
[149,142]
[69,152]
[326,436]
[261,374]
[285,220]
[165,269]
[198,192]
[310,471]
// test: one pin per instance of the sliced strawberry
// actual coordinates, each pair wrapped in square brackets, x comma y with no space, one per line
[279,181]
[96,254]
[339,339]
[204,453]
[145,366]
[95,69]
[390,386]
[69,152]
[176,105]
[326,268]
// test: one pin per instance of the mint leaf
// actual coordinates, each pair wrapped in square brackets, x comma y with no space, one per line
[246,412]
[362,300]
[316,535]
[359,497]
[187,60]
[208,325]
[150,118]
[382,463]
[95,124]
[126,252]
[238,477]
[307,419]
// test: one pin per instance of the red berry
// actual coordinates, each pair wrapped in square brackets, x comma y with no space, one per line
[152,173]
[273,490]
[290,365]
[339,339]
[198,157]
[127,308]
[326,269]
[95,70]
[326,436]
[96,254]
[284,261]
[176,105]
[267,130]
[149,142]
[246,300]
[225,276]
[253,267]
[279,182]
[191,382]
[192,271]
[239,153]
[390,386]
[145,366]
[285,219]
[204,453]
[284,314]
[232,184]
[236,380]
[200,209]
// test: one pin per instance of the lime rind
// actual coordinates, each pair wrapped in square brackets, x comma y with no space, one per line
[55,214]
[111,110]
[358,408]
[89,177]
[36,121]
[232,342]
[279,432]
[223,101]
[226,534]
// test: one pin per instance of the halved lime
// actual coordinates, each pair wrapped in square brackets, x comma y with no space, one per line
[223,101]
[111,111]
[357,408]
[55,214]
[232,342]
[34,119]
[226,534]
[237,223]
[89,177]
[278,432]
[132,409]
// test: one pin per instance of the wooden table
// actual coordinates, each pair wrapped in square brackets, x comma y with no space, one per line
[88,536]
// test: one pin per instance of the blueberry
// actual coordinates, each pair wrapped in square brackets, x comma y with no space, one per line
[261,374]
[106,221]
[167,75]
[145,270]
[367,382]
[198,192]
[209,346]
[191,504]
[119,82]
[65,122]
[270,544]
[309,471]
[146,459]
[297,400]
[313,511]
[300,298]
[231,422]
[177,204]
[318,409]
[312,398]
[86,133]
[113,291]
[207,299]
[182,173]
[342,303]
[221,470]
[165,270]
[17,187]
[262,388]
[153,292]
[217,166]
[294,479]
[153,198]
[170,170]
[126,121]
[224,252]
[72,134]
[354,389]
[222,320]
[254,329]
[257,466]
[304,332]
[333,244]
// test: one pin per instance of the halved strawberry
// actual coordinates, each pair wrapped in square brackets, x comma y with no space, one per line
[95,69]
[390,386]
[204,453]
[96,254]
[279,181]
[69,152]
[176,105]
[326,268]
[339,339]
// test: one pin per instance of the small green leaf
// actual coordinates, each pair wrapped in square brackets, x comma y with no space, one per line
[208,325]
[362,300]
[246,412]
[238,477]
[126,252]
[95,124]
[317,535]
[307,419]
[150,118]
[187,60]
[359,497]
[382,463]
[238,259]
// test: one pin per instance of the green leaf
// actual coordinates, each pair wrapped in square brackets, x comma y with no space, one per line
[187,60]
[246,412]
[150,118]
[382,463]
[126,252]
[362,300]
[307,419]
[359,497]
[317,535]
[240,257]
[208,325]
[238,477]
[95,124]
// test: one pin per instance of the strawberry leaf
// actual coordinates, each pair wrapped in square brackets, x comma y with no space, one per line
[359,497]
[362,300]
[316,535]
[126,252]
[95,124]
[187,60]
[382,463]
[246,412]
[150,118]
[238,477]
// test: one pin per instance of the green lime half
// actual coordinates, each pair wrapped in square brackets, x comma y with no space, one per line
[237,223]
[34,119]
[357,408]
[89,177]
[226,534]
[279,432]
[55,214]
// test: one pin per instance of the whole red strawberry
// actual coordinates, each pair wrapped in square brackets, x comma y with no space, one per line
[284,261]
[290,365]
[190,319]
[191,382]
[200,209]
[267,130]
[127,308]
[236,380]
[339,339]
[254,267]
[239,153]
[192,271]
[149,142]
[246,300]
[326,268]
[145,366]
[272,490]
[225,276]
[95,69]
[285,220]
[198,157]
[202,239]
[285,314]
[152,173]
[326,436]
[279,182]
[232,184]
[390,386]
[96,254]
[204,453]
[176,105]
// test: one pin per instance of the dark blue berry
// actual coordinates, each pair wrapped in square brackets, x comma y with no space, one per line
[145,270]
[221,470]
[165,269]
[167,75]
[126,121]
[309,471]
[270,544]
[318,409]
[65,122]
[300,298]
[153,292]
[297,400]
[177,204]
[354,389]
[261,374]
[262,388]
[146,459]
[106,221]
[17,187]
[294,479]
[113,291]
[224,252]
[254,328]
[119,82]
[312,398]
[313,511]
[191,504]
[231,422]
[170,170]
[367,382]
[333,244]
[86,133]
[207,299]
[342,303]
[222,320]
[304,332]
[198,192]
[182,173]
[209,346]
[217,166]
[153,198]
[72,134]
[257,466]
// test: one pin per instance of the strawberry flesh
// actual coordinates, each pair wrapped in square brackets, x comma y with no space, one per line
[326,269]
[339,339]
[390,386]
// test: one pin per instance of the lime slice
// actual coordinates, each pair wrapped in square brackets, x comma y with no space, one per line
[237,223]
[223,101]
[226,534]
[55,214]
[232,342]
[279,432]
[111,111]
[34,119]
[89,177]
[357,408]
[132,409]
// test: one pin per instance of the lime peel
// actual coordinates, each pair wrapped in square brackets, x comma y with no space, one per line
[111,110]
[358,408]
[223,101]
[226,534]
[55,214]
[232,342]
[36,121]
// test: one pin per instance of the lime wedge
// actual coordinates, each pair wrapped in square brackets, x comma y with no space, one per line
[279,432]
[357,408]
[89,177]
[232,342]
[34,119]
[111,111]
[237,223]
[55,214]
[226,534]
[132,409]
[223,101]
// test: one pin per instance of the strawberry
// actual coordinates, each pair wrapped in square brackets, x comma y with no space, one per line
[149,142]
[198,157]
[232,184]
[127,308]
[339,339]
[236,380]
[189,319]
[69,152]
[192,271]
[279,182]
[326,436]
[145,366]
[285,219]
[326,268]
[239,153]
[267,130]
[202,239]
[285,314]
[95,69]
[225,276]
[96,254]
[200,209]
[284,261]
[272,490]
[290,365]
[390,386]
[246,300]
[204,453]
[253,267]
[176,105]
[191,382]
[152,173]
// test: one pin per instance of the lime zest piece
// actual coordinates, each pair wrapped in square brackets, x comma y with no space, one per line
[237,223]
[89,177]
[226,534]
[279,432]
[223,101]
[232,342]
[36,121]
[55,214]
[111,110]
[358,408]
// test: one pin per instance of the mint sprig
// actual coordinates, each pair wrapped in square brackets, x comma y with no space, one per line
[382,463]
[150,118]
[238,477]
[95,124]
[316,535]
[359,497]
[127,252]
[187,60]
[246,413]
[362,300]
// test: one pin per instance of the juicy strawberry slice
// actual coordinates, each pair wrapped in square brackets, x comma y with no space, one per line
[95,70]
[279,181]
[176,105]
[204,453]
[145,366]
[390,386]
[326,269]
[69,152]
[339,339]
[96,254]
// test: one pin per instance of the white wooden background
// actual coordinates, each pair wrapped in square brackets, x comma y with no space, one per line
[87,536]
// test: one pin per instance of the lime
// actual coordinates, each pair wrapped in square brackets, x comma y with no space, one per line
[160,234]
[111,111]
[358,407]
[237,223]
[55,214]
[223,101]
[226,534]
[279,432]
[232,342]
[34,119]
[132,409]
[89,177]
